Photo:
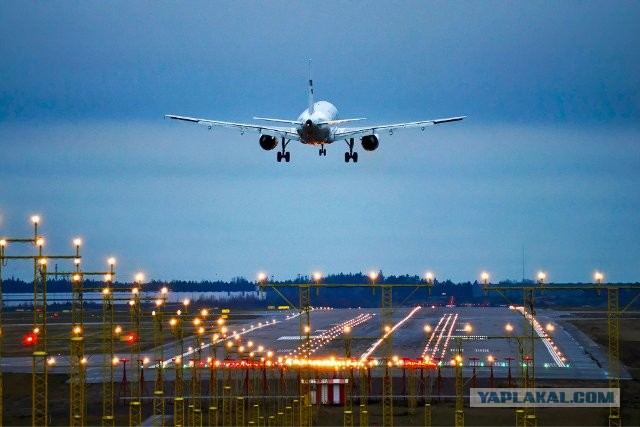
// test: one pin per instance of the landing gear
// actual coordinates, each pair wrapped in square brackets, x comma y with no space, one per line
[322,151]
[350,154]
[286,156]
[283,154]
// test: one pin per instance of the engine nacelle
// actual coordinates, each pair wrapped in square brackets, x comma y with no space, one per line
[369,142]
[268,142]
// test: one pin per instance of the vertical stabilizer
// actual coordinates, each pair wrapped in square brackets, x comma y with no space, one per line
[310,90]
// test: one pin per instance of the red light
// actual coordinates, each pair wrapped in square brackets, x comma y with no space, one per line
[131,338]
[30,339]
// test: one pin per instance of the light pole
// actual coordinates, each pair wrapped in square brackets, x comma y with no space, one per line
[135,406]
[348,403]
[491,359]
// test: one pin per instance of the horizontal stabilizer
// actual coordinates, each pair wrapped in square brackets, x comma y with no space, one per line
[291,122]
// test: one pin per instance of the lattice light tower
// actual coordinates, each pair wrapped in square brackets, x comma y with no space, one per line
[177,328]
[135,312]
[108,357]
[158,357]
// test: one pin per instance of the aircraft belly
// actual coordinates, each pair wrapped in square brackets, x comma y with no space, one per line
[316,136]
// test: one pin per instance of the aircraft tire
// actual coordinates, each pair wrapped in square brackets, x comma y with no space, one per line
[355,157]
[279,156]
[346,157]
[287,156]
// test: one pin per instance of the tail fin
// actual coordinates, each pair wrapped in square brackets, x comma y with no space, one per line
[310,90]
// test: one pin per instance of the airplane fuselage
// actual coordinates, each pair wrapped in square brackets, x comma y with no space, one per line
[315,128]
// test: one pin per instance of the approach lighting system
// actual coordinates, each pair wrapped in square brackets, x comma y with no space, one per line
[485,277]
[30,339]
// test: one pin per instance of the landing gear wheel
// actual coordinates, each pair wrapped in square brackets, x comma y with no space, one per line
[354,156]
[279,156]
[347,156]
[287,157]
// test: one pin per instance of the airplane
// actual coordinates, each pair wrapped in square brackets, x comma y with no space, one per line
[318,125]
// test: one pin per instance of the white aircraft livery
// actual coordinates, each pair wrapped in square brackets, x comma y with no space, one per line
[317,125]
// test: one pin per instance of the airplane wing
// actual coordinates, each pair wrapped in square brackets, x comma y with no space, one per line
[349,132]
[288,133]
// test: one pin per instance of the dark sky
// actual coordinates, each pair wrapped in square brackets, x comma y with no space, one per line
[547,160]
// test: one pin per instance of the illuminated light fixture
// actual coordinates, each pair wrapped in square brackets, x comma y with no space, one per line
[186,302]
[43,261]
[598,276]
[77,242]
[164,290]
[262,277]
[108,278]
[204,312]
[484,276]
[3,242]
[542,276]
[429,276]
[317,276]
[40,242]
[35,219]
[139,277]
[118,329]
[111,261]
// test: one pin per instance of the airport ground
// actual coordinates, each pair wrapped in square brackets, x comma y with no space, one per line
[584,346]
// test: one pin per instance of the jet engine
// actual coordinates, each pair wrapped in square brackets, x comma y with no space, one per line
[369,142]
[268,142]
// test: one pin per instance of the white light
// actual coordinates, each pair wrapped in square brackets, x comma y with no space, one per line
[35,219]
[429,276]
[77,242]
[111,261]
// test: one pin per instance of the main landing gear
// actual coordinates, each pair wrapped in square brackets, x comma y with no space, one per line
[350,154]
[283,154]
[322,151]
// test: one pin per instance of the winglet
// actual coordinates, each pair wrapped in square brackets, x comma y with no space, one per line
[310,91]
